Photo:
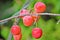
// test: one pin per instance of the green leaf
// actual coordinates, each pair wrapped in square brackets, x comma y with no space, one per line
[50,26]
[5,32]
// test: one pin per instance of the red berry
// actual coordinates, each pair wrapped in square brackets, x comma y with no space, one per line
[36,32]
[39,7]
[27,20]
[24,11]
[17,37]
[15,29]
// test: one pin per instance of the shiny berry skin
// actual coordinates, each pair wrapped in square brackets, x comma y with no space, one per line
[27,20]
[17,37]
[24,11]
[39,7]
[15,30]
[36,32]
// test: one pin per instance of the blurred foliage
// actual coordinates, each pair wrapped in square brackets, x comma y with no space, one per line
[51,29]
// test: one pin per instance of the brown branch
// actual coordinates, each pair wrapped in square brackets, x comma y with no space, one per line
[29,14]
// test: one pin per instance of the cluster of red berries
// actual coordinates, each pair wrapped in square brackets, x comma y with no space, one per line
[16,32]
[28,21]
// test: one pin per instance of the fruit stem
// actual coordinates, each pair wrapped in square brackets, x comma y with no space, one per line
[15,21]
[31,10]
[36,39]
[36,22]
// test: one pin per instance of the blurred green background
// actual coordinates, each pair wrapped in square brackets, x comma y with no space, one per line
[48,24]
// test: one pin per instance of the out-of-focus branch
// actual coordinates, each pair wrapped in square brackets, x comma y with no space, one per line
[58,21]
[10,36]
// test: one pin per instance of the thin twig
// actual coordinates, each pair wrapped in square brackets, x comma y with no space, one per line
[30,14]
[49,14]
[7,19]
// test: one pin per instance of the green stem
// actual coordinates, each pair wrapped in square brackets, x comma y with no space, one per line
[36,24]
[36,39]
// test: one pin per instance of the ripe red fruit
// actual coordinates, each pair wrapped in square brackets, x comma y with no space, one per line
[27,20]
[15,30]
[17,37]
[36,32]
[39,7]
[24,11]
